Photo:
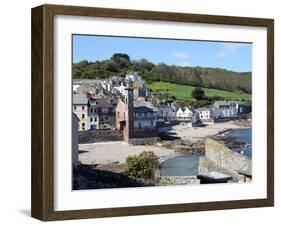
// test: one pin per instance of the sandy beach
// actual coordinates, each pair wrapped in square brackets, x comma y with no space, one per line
[198,133]
[117,152]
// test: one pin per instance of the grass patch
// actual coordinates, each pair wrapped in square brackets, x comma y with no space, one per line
[183,92]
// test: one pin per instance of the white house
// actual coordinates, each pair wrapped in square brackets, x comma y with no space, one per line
[133,77]
[121,89]
[187,114]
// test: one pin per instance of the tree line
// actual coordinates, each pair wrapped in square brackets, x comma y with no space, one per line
[120,64]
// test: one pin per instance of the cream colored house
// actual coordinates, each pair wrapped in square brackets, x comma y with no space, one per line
[205,113]
[80,109]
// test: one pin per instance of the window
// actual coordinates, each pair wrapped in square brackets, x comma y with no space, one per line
[83,107]
[95,119]
[118,114]
[83,116]
[106,118]
[95,110]
[145,114]
[92,110]
[91,119]
[83,123]
[151,123]
[75,107]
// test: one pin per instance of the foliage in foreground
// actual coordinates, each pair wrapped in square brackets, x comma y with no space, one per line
[142,166]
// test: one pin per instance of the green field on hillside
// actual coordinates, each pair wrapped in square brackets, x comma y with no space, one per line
[183,92]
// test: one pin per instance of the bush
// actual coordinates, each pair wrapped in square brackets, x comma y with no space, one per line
[198,93]
[142,166]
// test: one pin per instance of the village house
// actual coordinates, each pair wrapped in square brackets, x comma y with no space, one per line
[133,77]
[101,114]
[187,114]
[145,115]
[80,109]
[232,108]
[137,119]
[205,114]
[140,89]
[165,113]
[85,89]
[121,88]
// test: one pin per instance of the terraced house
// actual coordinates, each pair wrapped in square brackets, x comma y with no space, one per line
[93,113]
[233,108]
[80,109]
[101,114]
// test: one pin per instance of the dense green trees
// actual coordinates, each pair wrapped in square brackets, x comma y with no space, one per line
[120,64]
[198,94]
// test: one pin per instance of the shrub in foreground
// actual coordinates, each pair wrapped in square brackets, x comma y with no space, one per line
[142,166]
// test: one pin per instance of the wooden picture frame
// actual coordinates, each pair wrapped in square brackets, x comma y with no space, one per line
[43,112]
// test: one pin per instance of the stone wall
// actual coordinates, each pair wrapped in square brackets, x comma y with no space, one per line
[223,157]
[145,133]
[99,136]
[142,141]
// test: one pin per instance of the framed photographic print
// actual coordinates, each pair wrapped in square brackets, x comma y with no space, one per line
[141,112]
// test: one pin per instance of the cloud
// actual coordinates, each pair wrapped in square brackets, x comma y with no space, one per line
[181,55]
[184,64]
[227,49]
[182,59]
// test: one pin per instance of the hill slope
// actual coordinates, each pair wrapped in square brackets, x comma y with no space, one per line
[183,92]
[120,64]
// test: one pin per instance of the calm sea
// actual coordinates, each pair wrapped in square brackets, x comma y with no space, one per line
[243,135]
[187,165]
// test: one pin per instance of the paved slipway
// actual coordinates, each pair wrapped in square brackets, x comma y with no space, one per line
[116,152]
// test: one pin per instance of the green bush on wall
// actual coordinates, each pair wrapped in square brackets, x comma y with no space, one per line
[142,166]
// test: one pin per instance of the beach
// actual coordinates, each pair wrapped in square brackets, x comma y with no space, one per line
[117,152]
[198,133]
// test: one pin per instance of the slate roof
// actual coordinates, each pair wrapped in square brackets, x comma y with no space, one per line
[80,99]
[223,102]
[144,106]
[203,109]
[101,102]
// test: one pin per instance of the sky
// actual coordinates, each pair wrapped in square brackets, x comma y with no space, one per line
[227,55]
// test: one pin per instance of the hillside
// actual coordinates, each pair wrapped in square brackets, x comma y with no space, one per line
[120,64]
[183,92]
